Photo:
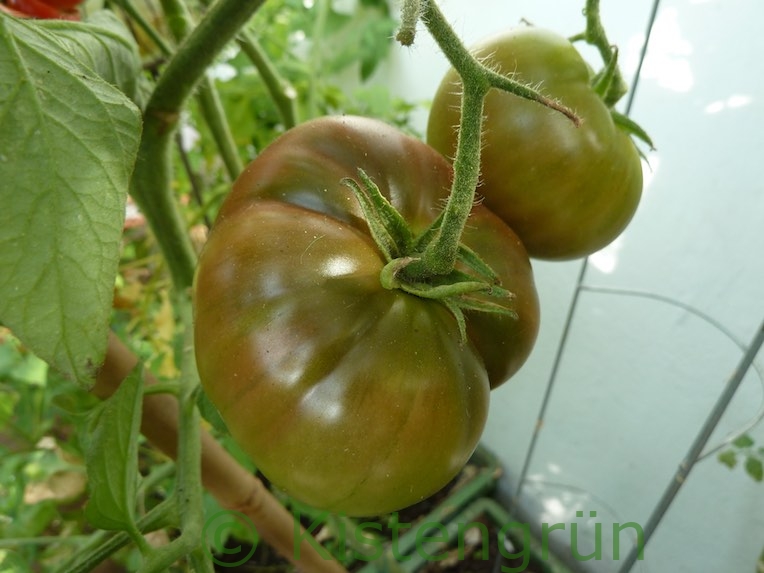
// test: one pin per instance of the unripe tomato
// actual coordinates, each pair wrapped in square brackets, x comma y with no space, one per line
[566,191]
[349,396]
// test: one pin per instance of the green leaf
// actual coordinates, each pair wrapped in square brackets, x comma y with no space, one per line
[754,468]
[364,36]
[375,43]
[68,141]
[744,441]
[103,44]
[111,456]
[728,458]
[12,562]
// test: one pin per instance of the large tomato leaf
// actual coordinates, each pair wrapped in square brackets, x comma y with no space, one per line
[68,141]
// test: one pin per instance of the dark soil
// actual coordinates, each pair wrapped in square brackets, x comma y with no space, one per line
[474,557]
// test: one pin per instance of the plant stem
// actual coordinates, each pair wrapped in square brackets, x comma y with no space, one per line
[411,11]
[103,544]
[178,18]
[152,178]
[214,116]
[596,36]
[188,470]
[193,179]
[439,257]
[440,254]
[281,91]
[207,96]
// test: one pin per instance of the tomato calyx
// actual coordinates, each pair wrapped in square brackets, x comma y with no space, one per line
[631,127]
[477,289]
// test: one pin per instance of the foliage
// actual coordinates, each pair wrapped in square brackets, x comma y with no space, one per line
[744,449]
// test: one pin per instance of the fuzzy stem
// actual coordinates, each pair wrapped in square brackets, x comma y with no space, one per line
[315,60]
[410,13]
[178,18]
[439,257]
[188,473]
[596,36]
[440,254]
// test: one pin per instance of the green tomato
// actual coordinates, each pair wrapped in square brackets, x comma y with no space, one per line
[566,191]
[348,396]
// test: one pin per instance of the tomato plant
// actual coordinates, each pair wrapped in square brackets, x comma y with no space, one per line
[350,396]
[566,191]
[354,306]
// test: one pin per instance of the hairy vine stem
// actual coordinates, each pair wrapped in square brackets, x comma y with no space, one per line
[440,255]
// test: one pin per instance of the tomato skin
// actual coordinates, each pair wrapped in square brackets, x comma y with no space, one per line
[567,192]
[64,4]
[45,9]
[350,397]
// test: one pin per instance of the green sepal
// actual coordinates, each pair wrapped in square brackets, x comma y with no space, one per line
[473,262]
[401,248]
[631,127]
[386,225]
[608,83]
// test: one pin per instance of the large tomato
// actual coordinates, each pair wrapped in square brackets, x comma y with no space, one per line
[350,397]
[566,191]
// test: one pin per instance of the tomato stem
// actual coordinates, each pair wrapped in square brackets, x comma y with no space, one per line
[411,11]
[596,36]
[427,265]
[441,252]
[440,255]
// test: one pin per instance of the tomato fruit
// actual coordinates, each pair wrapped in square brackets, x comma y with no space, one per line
[566,191]
[349,396]
[45,9]
[64,4]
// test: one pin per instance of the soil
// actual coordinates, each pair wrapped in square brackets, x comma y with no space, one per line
[473,559]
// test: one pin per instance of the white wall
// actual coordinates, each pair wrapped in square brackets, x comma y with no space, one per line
[638,377]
